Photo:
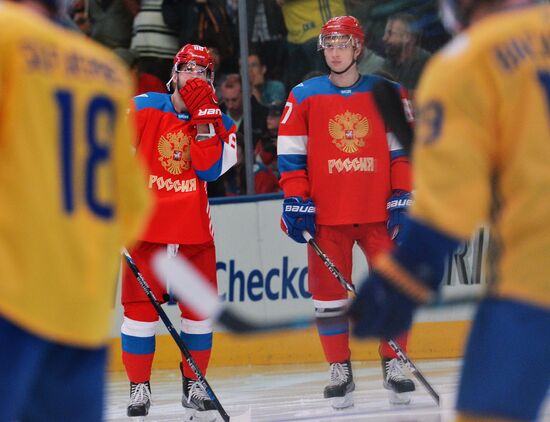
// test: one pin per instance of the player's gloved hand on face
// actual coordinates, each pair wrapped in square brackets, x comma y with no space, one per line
[397,206]
[379,310]
[201,102]
[298,215]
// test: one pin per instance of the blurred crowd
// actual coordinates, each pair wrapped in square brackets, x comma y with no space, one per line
[282,38]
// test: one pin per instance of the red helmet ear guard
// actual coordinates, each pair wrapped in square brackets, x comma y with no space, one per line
[343,25]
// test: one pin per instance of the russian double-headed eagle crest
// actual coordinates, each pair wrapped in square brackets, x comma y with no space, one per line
[175,155]
[348,131]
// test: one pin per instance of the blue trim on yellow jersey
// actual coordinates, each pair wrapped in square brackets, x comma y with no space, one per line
[197,342]
[424,250]
[291,162]
[138,345]
[48,381]
[508,350]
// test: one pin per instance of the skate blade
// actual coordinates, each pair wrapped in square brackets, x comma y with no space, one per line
[340,403]
[137,418]
[399,398]
[192,415]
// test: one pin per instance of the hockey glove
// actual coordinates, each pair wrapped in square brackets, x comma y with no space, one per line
[401,281]
[298,215]
[397,206]
[201,102]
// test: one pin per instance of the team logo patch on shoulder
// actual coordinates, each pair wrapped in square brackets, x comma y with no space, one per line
[175,155]
[348,131]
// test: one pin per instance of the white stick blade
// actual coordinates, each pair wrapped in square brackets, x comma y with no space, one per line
[187,284]
[243,417]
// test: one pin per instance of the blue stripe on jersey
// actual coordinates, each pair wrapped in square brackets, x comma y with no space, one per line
[292,162]
[197,342]
[227,121]
[398,153]
[155,100]
[321,85]
[138,345]
[214,171]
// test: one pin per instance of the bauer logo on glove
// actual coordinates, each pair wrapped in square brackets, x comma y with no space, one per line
[397,206]
[298,215]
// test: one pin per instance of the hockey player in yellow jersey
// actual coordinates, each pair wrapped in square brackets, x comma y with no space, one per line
[482,155]
[71,196]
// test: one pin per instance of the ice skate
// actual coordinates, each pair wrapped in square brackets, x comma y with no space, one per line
[395,381]
[199,407]
[140,400]
[340,389]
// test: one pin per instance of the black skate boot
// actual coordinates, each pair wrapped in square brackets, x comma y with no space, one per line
[196,401]
[399,386]
[140,399]
[341,385]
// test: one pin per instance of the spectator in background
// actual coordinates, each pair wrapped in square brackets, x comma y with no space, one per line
[404,57]
[79,15]
[111,21]
[303,20]
[266,149]
[205,22]
[265,180]
[267,36]
[369,62]
[232,105]
[144,82]
[154,41]
[266,91]
[219,73]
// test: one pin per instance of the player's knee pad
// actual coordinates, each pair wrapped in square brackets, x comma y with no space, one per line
[191,326]
[142,329]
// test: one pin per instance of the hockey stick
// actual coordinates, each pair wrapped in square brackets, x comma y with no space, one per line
[351,288]
[390,106]
[184,350]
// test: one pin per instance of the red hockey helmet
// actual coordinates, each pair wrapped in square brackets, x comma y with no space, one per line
[194,58]
[345,29]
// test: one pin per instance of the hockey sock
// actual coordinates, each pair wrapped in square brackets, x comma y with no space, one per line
[138,349]
[334,336]
[197,337]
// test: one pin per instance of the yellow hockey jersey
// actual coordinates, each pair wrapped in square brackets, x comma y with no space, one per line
[71,193]
[304,18]
[482,149]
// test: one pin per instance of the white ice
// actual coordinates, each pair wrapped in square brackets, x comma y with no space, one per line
[294,393]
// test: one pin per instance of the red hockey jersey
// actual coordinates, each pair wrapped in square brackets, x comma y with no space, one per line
[179,167]
[333,148]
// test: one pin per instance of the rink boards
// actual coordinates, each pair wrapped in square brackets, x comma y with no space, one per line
[262,274]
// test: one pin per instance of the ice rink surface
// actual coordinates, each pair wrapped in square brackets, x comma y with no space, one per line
[295,393]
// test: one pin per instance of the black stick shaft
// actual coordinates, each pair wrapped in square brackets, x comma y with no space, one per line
[416,372]
[200,377]
[393,344]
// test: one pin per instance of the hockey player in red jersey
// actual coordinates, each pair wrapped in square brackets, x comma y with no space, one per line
[185,141]
[346,181]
